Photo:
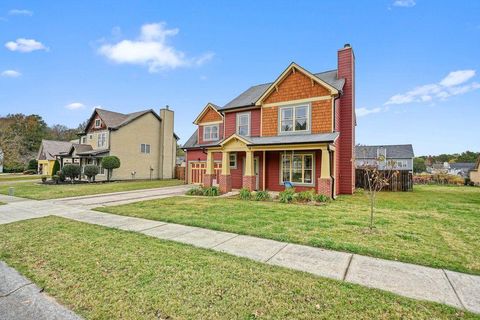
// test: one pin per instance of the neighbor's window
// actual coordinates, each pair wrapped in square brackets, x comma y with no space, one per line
[97,123]
[102,140]
[84,139]
[145,148]
[295,118]
[297,168]
[401,164]
[210,133]
[233,160]
[243,124]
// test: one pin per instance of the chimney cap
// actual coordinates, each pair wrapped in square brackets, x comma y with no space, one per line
[167,107]
[347,45]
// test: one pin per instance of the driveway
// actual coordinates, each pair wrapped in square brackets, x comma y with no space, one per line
[124,197]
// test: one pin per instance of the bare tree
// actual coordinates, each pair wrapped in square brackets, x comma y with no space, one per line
[378,172]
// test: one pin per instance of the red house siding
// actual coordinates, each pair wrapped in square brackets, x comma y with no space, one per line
[200,134]
[231,122]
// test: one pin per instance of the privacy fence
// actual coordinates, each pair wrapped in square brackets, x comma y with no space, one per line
[403,181]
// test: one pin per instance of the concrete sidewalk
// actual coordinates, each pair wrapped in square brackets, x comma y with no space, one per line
[452,288]
[20,299]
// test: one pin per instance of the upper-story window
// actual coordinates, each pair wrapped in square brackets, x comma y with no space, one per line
[102,139]
[295,118]
[210,133]
[144,148]
[84,139]
[243,123]
[98,123]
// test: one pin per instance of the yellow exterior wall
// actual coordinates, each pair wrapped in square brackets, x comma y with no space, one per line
[47,167]
[475,176]
[125,144]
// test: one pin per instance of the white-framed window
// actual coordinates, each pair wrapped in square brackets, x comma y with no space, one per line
[101,139]
[233,161]
[98,123]
[145,148]
[90,136]
[401,164]
[84,139]
[297,168]
[294,118]
[243,124]
[210,133]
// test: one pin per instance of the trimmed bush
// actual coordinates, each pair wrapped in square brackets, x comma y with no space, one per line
[60,176]
[32,165]
[262,196]
[56,178]
[211,192]
[196,191]
[287,195]
[245,194]
[72,171]
[91,171]
[30,172]
[56,168]
[305,196]
[110,163]
[44,179]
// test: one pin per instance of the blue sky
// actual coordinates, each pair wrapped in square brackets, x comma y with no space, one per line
[417,62]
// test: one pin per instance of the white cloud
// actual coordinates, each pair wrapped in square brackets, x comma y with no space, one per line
[457,77]
[150,49]
[453,84]
[20,12]
[25,45]
[75,106]
[404,3]
[361,112]
[11,74]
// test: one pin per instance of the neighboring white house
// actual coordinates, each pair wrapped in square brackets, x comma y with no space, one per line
[460,168]
[401,155]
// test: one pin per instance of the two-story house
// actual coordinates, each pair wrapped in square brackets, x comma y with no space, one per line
[396,157]
[144,142]
[299,128]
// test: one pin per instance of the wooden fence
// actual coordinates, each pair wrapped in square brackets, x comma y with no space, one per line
[180,173]
[403,181]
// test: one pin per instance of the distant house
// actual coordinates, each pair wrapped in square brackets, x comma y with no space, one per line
[144,142]
[461,169]
[400,155]
[47,154]
[475,173]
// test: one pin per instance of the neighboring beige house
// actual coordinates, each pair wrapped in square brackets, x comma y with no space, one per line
[475,173]
[144,142]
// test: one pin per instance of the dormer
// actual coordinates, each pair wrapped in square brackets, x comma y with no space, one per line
[210,125]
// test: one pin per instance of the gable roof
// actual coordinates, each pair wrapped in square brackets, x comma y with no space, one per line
[463,166]
[250,96]
[209,105]
[50,148]
[115,120]
[397,151]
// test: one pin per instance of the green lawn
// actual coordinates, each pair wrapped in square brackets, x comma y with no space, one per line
[437,226]
[104,273]
[39,191]
[18,177]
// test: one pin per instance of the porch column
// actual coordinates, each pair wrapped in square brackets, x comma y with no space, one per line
[210,174]
[249,179]
[225,178]
[324,183]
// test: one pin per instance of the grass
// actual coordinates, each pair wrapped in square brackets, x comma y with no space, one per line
[39,191]
[104,273]
[18,177]
[437,226]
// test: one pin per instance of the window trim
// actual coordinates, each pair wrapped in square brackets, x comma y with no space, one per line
[230,160]
[104,141]
[294,107]
[144,145]
[211,126]
[237,124]
[84,140]
[312,184]
[99,123]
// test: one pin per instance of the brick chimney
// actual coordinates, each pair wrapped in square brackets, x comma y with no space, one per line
[347,122]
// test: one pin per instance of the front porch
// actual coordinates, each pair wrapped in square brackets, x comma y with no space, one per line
[236,164]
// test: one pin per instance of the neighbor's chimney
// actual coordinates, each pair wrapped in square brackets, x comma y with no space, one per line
[168,144]
[346,140]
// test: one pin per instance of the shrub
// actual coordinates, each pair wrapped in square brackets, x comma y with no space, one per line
[30,172]
[211,192]
[60,176]
[56,178]
[196,191]
[321,198]
[44,179]
[262,196]
[72,171]
[305,196]
[56,167]
[245,194]
[110,163]
[91,171]
[287,195]
[32,165]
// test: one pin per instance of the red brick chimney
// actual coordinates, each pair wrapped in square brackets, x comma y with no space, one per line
[346,122]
